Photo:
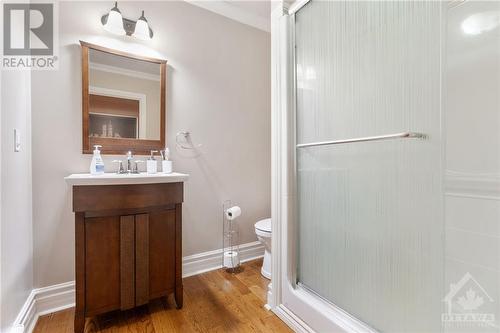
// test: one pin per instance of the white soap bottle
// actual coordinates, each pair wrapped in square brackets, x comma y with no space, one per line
[97,164]
[151,163]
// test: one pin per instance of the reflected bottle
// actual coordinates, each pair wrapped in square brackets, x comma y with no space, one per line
[110,129]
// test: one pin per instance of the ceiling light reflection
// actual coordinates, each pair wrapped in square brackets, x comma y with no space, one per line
[481,22]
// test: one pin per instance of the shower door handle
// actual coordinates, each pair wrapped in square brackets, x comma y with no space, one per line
[403,135]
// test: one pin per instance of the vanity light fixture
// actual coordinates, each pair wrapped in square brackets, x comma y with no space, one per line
[116,24]
[113,22]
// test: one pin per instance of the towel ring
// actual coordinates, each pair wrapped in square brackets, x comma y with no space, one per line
[187,140]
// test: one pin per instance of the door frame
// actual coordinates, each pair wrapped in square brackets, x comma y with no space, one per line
[301,309]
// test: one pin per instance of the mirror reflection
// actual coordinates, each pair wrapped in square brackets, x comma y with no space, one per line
[124,97]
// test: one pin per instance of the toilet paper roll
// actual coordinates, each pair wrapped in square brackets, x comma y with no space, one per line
[231,259]
[233,212]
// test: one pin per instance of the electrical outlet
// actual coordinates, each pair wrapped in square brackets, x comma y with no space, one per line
[17,140]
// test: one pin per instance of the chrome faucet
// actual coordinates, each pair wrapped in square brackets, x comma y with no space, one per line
[120,166]
[132,166]
[129,162]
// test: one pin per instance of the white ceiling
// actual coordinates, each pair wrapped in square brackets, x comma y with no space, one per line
[256,13]
[260,8]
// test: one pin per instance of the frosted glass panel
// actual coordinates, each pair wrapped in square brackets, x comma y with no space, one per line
[370,213]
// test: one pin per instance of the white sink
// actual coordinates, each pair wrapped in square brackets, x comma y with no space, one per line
[125,179]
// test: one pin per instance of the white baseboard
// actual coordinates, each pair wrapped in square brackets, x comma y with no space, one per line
[58,297]
[294,322]
[208,261]
[42,301]
[270,304]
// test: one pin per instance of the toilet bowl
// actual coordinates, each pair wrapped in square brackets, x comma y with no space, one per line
[263,231]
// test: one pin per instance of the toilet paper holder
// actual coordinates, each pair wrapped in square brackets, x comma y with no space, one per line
[230,236]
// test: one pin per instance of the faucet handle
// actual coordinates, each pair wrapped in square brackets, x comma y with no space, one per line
[120,166]
[129,155]
[136,166]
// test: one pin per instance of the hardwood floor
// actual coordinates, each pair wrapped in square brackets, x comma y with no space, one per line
[216,301]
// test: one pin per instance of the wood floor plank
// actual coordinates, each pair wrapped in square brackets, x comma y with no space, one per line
[246,307]
[216,301]
[166,320]
[212,309]
[61,321]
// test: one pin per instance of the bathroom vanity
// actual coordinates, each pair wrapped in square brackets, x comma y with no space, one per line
[128,240]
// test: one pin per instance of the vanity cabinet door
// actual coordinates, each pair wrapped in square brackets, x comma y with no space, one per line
[161,253]
[142,259]
[102,264]
[134,257]
[129,260]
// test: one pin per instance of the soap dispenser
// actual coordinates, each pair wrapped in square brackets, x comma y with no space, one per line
[97,164]
[151,164]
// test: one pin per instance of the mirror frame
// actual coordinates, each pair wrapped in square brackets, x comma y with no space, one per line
[112,146]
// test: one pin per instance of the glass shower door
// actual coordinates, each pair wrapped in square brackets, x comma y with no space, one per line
[369,187]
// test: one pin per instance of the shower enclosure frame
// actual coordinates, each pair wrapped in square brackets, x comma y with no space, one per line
[302,309]
[292,302]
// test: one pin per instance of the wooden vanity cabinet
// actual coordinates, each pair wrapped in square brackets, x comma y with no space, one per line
[128,246]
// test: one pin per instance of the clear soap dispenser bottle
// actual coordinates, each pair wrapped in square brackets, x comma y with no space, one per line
[151,163]
[97,164]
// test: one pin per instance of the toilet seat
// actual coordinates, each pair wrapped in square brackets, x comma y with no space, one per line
[263,225]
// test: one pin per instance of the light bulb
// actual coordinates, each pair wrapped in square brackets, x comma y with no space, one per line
[142,28]
[114,23]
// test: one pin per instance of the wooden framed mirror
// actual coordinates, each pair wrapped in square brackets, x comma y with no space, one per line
[123,106]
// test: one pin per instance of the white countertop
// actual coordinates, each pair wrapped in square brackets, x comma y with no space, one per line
[125,179]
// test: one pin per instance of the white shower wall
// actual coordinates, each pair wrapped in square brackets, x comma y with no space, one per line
[472,178]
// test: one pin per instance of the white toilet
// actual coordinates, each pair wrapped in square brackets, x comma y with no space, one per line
[263,231]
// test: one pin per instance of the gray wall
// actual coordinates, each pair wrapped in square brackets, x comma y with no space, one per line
[16,224]
[218,88]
